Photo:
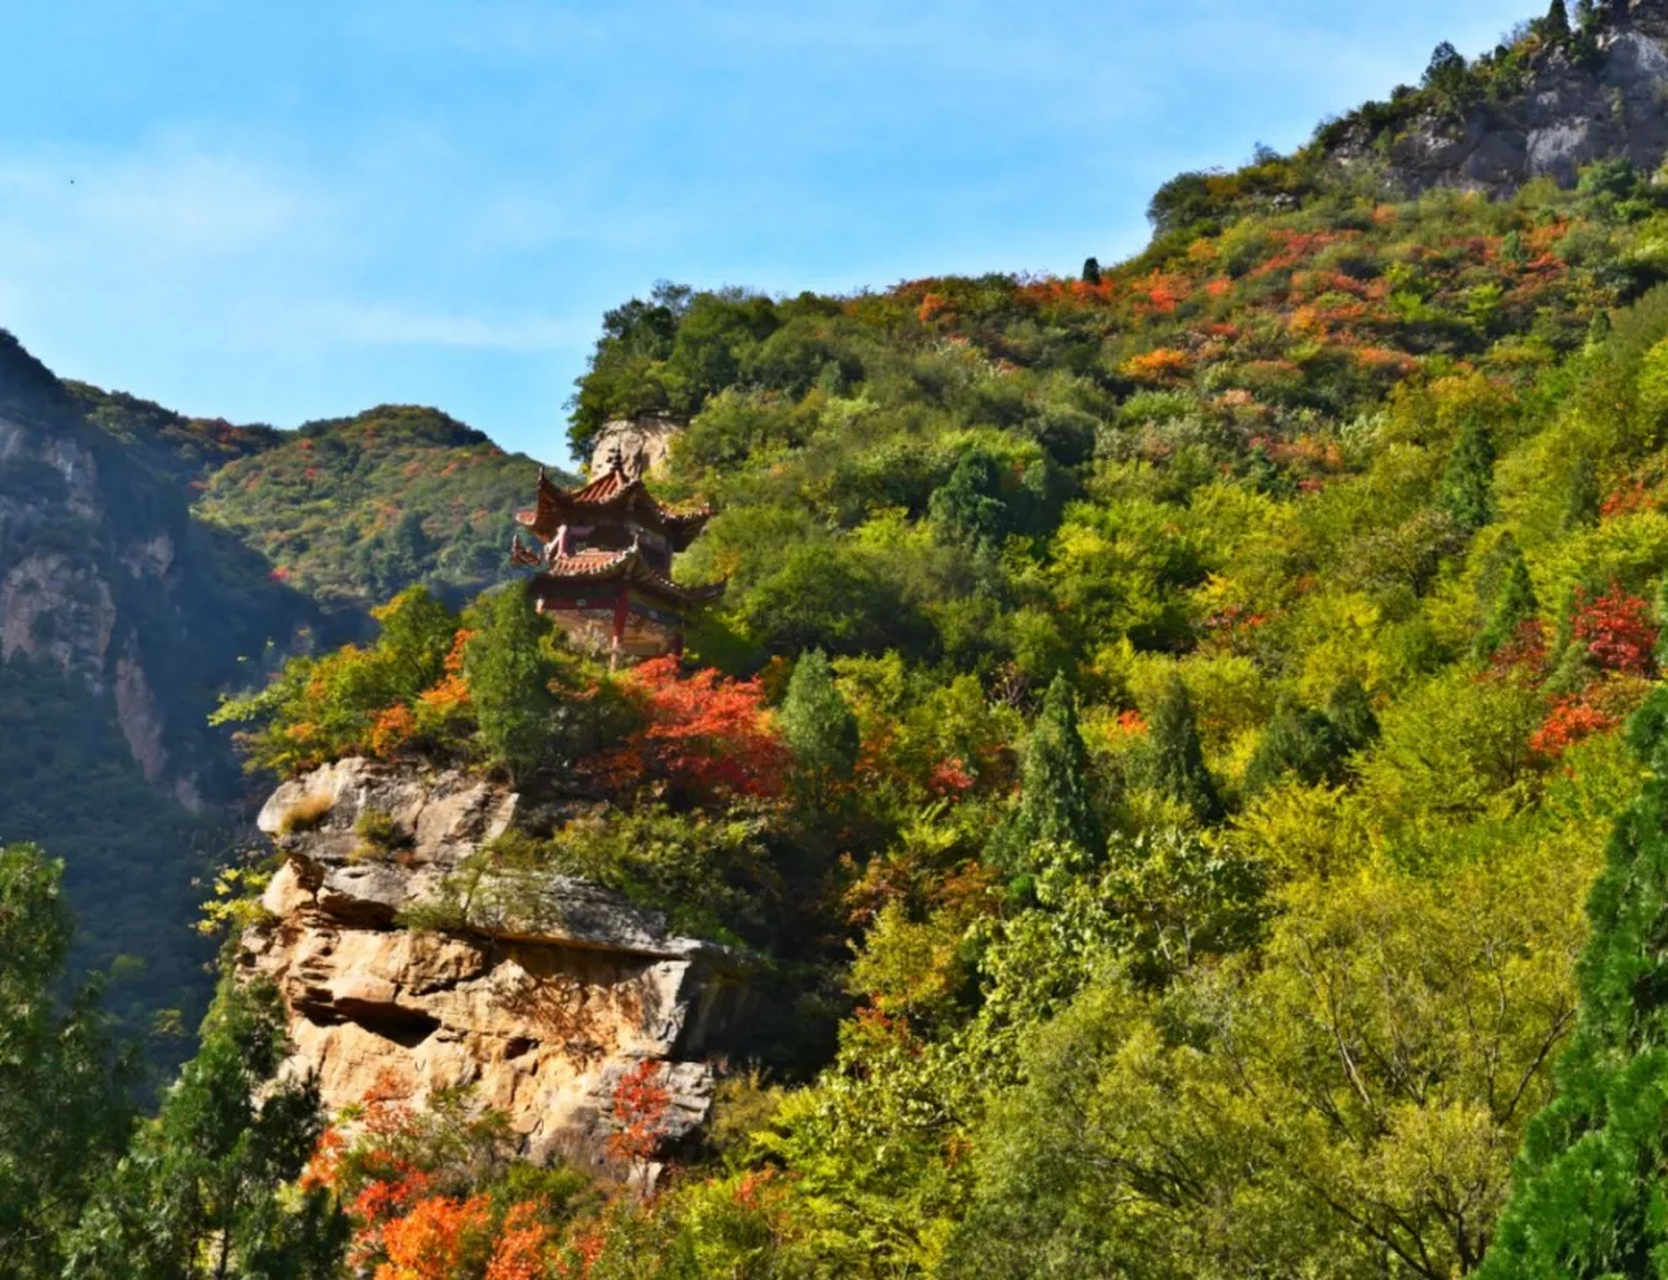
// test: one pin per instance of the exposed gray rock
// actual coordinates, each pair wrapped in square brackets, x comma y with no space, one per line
[1569,115]
[642,444]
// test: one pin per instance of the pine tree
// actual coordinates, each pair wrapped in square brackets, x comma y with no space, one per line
[1468,483]
[1582,499]
[1598,328]
[1091,271]
[1313,744]
[1514,605]
[1572,669]
[1299,741]
[204,1188]
[1588,1198]
[1175,758]
[1056,806]
[1556,24]
[969,506]
[1350,708]
[819,728]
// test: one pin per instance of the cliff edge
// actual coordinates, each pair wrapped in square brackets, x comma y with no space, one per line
[539,999]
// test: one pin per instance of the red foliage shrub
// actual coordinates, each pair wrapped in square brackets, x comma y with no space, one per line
[522,1247]
[949,778]
[391,730]
[440,1239]
[703,734]
[1628,499]
[1616,628]
[639,1110]
[1570,720]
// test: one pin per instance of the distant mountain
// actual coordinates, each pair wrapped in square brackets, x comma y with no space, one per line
[150,562]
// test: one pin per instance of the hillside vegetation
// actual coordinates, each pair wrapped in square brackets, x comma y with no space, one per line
[354,509]
[1161,734]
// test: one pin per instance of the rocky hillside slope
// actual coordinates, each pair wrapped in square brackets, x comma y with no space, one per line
[1542,106]
[540,995]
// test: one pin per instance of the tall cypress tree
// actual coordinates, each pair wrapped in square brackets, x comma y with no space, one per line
[1513,606]
[509,679]
[1589,1198]
[1468,483]
[1582,499]
[818,727]
[1175,758]
[1055,805]
[969,506]
[1556,24]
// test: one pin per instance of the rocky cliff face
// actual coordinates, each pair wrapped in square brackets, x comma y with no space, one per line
[539,1000]
[641,444]
[1571,113]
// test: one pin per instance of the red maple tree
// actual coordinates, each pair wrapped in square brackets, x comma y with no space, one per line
[640,1106]
[1616,628]
[701,734]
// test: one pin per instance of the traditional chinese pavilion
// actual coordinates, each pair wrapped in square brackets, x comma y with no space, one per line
[604,561]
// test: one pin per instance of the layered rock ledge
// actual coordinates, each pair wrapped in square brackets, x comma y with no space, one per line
[539,1007]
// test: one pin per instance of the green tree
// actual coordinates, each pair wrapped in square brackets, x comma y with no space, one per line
[1572,667]
[1515,605]
[818,728]
[1091,271]
[204,1188]
[1468,483]
[1582,499]
[1350,708]
[65,1085]
[1556,25]
[1056,803]
[1588,1193]
[509,677]
[625,376]
[1300,741]
[1660,617]
[969,506]
[1313,744]
[1175,759]
[1446,71]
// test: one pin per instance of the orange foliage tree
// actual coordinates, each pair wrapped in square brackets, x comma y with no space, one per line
[701,735]
[639,1108]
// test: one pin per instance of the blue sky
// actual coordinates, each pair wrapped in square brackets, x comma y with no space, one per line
[278,212]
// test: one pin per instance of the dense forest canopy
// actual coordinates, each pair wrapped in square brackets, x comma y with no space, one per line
[1159,738]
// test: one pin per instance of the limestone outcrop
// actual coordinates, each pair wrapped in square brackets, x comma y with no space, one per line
[1571,113]
[538,992]
[641,444]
